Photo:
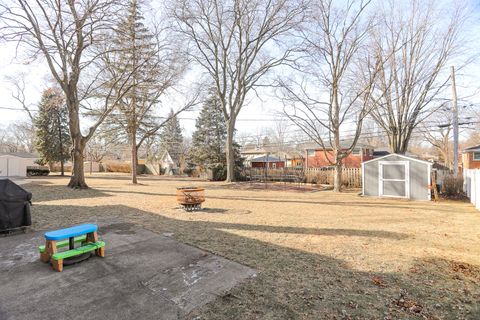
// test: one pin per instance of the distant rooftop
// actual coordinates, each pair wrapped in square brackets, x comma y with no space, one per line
[267,159]
[253,151]
[472,149]
[26,155]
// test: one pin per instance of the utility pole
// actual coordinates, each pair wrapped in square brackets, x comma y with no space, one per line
[455,123]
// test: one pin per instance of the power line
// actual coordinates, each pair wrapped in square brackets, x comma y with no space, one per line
[364,134]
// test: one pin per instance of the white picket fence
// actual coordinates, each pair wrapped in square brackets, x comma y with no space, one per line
[471,185]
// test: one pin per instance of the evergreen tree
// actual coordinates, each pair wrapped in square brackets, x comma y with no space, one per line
[136,52]
[171,138]
[208,140]
[53,141]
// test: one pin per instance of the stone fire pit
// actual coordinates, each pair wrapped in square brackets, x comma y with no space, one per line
[191,198]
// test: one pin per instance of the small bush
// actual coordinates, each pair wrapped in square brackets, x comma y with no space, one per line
[37,171]
[452,185]
[189,171]
[219,172]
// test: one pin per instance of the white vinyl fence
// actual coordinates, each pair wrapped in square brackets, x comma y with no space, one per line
[471,185]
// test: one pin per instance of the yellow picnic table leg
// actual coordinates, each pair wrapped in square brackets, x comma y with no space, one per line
[93,237]
[50,249]
[57,265]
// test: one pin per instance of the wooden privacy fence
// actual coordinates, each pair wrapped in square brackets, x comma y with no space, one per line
[471,185]
[351,177]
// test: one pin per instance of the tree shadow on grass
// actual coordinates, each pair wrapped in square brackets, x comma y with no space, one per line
[294,284]
[44,191]
[142,177]
[417,205]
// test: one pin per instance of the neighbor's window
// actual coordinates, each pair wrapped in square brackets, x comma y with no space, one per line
[356,151]
[311,153]
[476,156]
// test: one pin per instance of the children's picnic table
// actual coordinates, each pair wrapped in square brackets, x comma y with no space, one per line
[85,234]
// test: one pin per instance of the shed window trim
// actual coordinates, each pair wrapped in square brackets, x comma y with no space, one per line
[476,156]
[406,180]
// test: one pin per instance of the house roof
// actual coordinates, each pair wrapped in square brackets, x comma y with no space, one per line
[398,155]
[439,166]
[267,159]
[253,151]
[26,155]
[472,149]
[380,153]
[174,156]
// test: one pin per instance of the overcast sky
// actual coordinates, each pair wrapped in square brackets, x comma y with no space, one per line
[254,117]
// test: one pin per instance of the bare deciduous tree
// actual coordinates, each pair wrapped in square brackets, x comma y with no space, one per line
[416,48]
[330,98]
[19,95]
[236,43]
[23,132]
[68,35]
[138,43]
[279,134]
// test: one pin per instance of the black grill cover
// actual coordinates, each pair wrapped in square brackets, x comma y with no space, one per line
[14,206]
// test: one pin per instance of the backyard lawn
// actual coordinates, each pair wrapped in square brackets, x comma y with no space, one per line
[319,255]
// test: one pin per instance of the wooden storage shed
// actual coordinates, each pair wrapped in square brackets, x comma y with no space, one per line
[397,176]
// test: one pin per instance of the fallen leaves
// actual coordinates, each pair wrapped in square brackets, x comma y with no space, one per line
[379,281]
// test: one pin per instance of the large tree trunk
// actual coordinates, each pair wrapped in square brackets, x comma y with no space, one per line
[61,143]
[399,139]
[230,152]
[62,168]
[133,140]
[337,176]
[77,180]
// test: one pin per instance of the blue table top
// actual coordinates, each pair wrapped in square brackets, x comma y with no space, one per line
[74,231]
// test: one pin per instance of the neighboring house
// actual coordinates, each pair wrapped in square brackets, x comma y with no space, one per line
[292,159]
[471,158]
[295,161]
[315,156]
[251,153]
[267,162]
[170,163]
[15,164]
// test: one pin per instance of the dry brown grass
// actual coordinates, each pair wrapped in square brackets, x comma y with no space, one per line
[319,255]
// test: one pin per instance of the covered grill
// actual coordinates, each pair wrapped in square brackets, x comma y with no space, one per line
[14,206]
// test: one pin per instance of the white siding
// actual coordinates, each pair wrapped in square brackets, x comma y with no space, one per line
[471,185]
[12,166]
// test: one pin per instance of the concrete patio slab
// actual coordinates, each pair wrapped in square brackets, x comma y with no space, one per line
[143,275]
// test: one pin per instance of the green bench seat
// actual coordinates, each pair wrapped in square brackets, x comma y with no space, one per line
[64,243]
[78,251]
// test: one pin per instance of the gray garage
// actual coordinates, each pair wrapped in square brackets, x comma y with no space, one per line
[397,176]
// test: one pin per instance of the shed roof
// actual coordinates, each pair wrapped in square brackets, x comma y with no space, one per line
[398,155]
[26,155]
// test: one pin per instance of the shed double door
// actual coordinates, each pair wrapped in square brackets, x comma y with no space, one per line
[394,179]
[12,167]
